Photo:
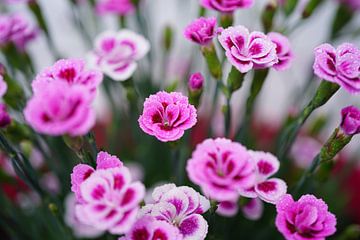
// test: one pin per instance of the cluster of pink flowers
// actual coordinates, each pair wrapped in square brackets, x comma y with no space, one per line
[341,65]
[175,214]
[16,29]
[107,199]
[247,50]
[308,218]
[227,6]
[116,53]
[62,99]
[117,7]
[201,30]
[350,120]
[167,115]
[226,170]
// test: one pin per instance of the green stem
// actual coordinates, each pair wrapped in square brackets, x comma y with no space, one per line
[256,86]
[324,92]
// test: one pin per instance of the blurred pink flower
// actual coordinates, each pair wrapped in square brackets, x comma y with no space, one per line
[182,207]
[70,71]
[17,30]
[5,119]
[304,151]
[118,7]
[50,182]
[228,208]
[167,115]
[116,53]
[253,210]
[60,109]
[221,168]
[79,229]
[350,120]
[268,190]
[308,218]
[352,4]
[201,30]
[107,198]
[341,65]
[227,6]
[246,50]
[283,51]
[3,86]
[148,228]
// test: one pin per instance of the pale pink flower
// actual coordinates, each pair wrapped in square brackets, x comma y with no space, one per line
[350,120]
[117,7]
[3,86]
[60,109]
[116,53]
[304,151]
[221,168]
[50,182]
[308,218]
[341,65]
[283,50]
[201,30]
[107,198]
[227,6]
[70,71]
[167,115]
[148,228]
[182,207]
[245,50]
[79,229]
[267,189]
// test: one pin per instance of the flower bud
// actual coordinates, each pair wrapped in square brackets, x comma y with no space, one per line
[350,122]
[196,82]
[5,119]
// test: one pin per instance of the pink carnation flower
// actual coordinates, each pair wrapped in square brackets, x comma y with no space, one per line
[17,30]
[107,198]
[246,50]
[182,207]
[148,228]
[70,71]
[201,30]
[227,6]
[167,115]
[283,50]
[116,53]
[79,229]
[59,109]
[308,218]
[350,120]
[222,168]
[341,65]
[268,190]
[118,7]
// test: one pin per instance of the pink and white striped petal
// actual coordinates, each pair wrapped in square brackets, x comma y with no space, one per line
[271,190]
[193,227]
[266,164]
